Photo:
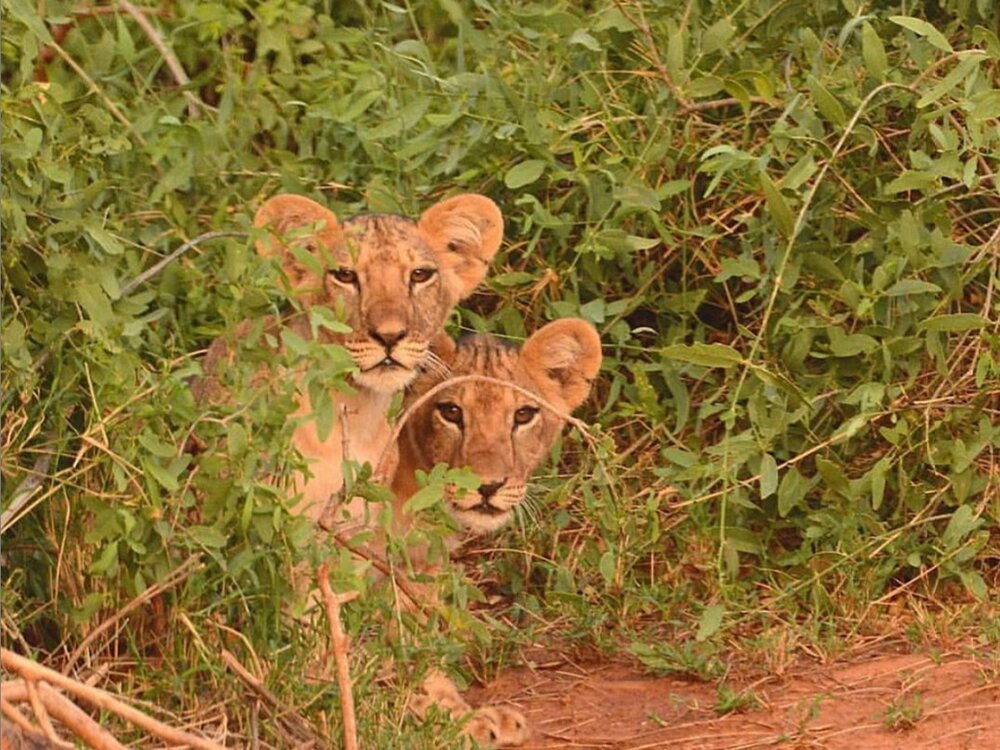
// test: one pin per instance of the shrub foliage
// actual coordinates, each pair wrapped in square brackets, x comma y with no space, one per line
[783,217]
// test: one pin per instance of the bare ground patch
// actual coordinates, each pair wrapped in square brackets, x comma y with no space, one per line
[880,701]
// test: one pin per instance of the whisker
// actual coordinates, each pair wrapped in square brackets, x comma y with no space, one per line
[530,508]
[434,365]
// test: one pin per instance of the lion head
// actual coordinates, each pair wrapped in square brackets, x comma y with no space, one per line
[495,430]
[393,279]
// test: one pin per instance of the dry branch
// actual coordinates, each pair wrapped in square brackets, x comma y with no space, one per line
[32,671]
[66,712]
[176,69]
[338,642]
[296,725]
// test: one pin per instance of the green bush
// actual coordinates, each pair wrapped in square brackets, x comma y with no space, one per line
[783,218]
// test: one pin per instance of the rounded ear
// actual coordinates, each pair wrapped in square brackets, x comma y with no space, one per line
[563,358]
[318,233]
[464,233]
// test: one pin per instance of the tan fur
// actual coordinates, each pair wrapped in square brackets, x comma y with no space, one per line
[395,280]
[557,364]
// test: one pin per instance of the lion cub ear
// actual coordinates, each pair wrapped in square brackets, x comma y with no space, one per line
[563,358]
[319,232]
[464,233]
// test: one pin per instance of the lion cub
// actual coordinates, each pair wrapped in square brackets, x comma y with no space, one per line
[502,434]
[395,280]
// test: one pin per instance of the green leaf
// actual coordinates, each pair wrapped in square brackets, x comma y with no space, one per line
[768,475]
[94,302]
[873,52]
[791,491]
[904,287]
[844,345]
[911,180]
[710,622]
[163,477]
[826,102]
[606,566]
[424,498]
[676,42]
[524,173]
[236,440]
[923,29]
[974,582]
[717,36]
[707,355]
[776,204]
[208,536]
[962,523]
[739,268]
[832,474]
[953,323]
[107,559]
[877,479]
[967,65]
[24,12]
[583,39]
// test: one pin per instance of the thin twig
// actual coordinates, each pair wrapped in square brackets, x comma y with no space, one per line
[112,107]
[150,272]
[176,69]
[382,567]
[338,642]
[176,576]
[295,723]
[25,490]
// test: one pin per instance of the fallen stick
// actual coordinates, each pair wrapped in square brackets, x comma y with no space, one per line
[33,671]
[66,712]
[297,726]
[338,641]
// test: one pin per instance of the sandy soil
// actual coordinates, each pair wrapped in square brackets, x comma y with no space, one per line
[881,701]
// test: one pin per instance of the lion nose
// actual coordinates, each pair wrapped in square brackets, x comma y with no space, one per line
[388,336]
[486,491]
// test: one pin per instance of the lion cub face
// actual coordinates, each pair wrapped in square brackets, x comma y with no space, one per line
[393,279]
[498,432]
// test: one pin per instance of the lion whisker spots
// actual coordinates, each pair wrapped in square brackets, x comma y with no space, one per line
[434,365]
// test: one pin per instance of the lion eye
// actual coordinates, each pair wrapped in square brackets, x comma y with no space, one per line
[420,275]
[344,276]
[450,412]
[525,414]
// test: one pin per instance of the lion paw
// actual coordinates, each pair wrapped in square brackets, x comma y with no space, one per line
[498,726]
[489,726]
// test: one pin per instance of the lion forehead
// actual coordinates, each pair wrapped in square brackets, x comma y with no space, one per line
[380,239]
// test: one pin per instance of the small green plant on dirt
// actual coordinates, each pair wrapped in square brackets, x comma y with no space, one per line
[904,712]
[730,700]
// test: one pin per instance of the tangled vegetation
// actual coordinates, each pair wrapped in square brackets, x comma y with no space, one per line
[783,218]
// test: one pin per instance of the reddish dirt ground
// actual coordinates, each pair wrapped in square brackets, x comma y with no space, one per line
[880,701]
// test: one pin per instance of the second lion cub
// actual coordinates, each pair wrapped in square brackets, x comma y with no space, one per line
[502,434]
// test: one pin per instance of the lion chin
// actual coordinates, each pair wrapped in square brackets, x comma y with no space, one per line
[479,523]
[385,378]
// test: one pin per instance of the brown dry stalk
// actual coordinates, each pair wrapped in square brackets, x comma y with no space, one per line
[295,723]
[33,671]
[66,712]
[176,69]
[175,577]
[339,644]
